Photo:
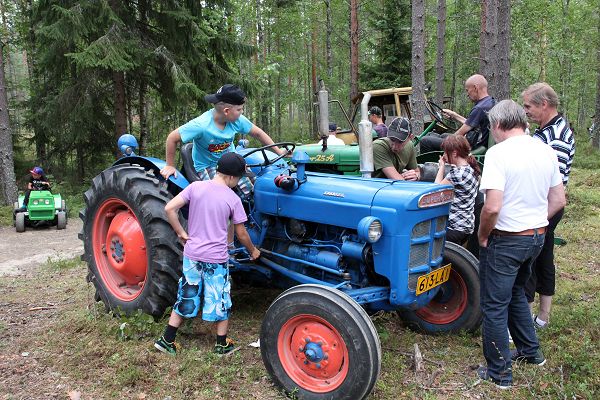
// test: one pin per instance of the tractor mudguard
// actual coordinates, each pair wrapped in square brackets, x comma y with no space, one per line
[155,164]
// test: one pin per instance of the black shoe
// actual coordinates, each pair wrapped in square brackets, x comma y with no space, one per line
[538,359]
[483,376]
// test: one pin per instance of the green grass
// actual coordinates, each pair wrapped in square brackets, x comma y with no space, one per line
[6,216]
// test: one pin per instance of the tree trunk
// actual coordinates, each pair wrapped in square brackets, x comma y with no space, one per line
[596,131]
[143,113]
[543,51]
[329,32]
[488,42]
[441,53]
[458,23]
[119,105]
[8,183]
[39,135]
[504,39]
[143,88]
[418,65]
[354,37]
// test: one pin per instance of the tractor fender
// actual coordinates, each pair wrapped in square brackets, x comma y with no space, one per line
[154,164]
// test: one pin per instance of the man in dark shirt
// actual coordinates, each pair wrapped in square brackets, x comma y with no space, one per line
[476,127]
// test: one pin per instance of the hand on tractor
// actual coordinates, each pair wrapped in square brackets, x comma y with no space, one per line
[411,175]
[449,113]
[167,171]
[255,254]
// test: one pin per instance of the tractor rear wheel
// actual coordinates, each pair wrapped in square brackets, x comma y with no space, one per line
[317,343]
[133,256]
[20,222]
[456,305]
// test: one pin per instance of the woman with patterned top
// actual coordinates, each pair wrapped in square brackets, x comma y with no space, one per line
[464,175]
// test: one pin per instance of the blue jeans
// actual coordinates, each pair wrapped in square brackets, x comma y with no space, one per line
[504,268]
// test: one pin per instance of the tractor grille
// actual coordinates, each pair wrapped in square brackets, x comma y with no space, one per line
[427,245]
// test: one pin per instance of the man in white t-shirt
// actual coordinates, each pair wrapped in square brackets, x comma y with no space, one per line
[523,188]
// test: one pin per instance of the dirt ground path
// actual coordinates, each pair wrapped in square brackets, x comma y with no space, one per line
[21,252]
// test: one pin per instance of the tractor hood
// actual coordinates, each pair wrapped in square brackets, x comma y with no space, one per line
[343,200]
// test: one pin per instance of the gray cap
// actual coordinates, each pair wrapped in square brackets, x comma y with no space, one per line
[399,129]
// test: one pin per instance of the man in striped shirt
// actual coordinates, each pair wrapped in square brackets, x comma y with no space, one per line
[541,106]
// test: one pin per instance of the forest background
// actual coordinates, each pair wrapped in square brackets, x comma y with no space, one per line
[78,74]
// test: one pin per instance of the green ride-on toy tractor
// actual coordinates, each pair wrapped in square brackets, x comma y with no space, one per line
[43,209]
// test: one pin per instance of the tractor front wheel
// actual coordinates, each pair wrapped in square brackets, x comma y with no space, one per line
[317,343]
[456,305]
[133,256]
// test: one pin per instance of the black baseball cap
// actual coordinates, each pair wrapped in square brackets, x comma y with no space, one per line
[228,93]
[332,127]
[399,129]
[375,111]
[232,164]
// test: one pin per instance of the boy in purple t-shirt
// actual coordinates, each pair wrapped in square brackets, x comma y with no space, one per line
[205,282]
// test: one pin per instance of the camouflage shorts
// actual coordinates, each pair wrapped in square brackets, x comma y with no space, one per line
[204,286]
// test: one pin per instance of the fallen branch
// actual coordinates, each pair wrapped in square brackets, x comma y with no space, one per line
[411,355]
[42,308]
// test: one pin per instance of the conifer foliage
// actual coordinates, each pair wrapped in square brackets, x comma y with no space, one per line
[100,61]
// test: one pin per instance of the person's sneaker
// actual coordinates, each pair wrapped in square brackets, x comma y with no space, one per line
[166,347]
[483,376]
[509,337]
[538,324]
[538,359]
[227,348]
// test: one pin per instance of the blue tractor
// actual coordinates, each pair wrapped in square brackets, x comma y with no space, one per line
[341,246]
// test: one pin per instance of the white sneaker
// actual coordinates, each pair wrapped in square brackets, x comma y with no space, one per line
[538,324]
[509,337]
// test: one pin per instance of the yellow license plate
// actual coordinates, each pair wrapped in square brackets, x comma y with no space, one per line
[433,279]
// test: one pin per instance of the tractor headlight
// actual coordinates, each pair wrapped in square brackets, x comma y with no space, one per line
[35,202]
[370,229]
[47,202]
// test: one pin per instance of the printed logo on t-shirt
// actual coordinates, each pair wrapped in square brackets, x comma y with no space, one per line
[218,148]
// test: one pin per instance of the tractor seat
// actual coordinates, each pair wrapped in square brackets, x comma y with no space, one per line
[188,163]
[479,151]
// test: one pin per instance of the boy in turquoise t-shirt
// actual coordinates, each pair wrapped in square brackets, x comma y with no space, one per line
[213,132]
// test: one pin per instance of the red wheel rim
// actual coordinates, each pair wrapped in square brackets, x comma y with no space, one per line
[313,353]
[449,304]
[119,249]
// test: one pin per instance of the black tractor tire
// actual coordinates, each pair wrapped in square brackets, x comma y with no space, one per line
[20,222]
[125,205]
[308,317]
[456,306]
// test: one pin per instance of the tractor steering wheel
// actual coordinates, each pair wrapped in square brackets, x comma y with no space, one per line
[438,114]
[289,146]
